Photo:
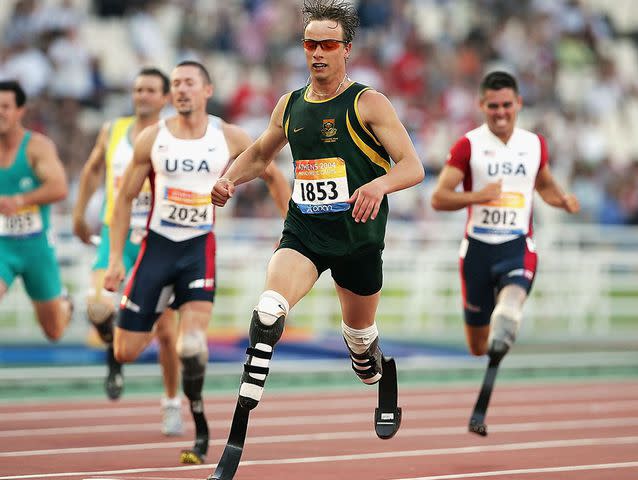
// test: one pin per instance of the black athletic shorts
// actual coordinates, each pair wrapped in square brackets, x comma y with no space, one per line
[361,274]
[184,271]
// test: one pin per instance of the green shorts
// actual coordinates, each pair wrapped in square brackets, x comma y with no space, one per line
[129,255]
[35,261]
[362,274]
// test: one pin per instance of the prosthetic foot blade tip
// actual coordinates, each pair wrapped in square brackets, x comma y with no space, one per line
[478,427]
[387,423]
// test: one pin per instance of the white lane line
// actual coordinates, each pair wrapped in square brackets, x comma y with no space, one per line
[525,471]
[506,447]
[332,436]
[330,419]
[275,404]
[520,471]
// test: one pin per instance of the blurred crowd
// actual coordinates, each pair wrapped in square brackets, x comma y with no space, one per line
[576,61]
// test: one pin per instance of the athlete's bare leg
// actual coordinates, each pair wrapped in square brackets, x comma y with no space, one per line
[358,311]
[129,345]
[476,338]
[166,332]
[291,275]
[53,315]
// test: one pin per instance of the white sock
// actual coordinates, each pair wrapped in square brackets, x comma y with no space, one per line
[171,402]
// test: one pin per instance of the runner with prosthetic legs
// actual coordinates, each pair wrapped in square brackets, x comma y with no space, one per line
[343,136]
[500,166]
[183,155]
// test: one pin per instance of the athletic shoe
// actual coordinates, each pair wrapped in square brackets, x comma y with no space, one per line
[114,384]
[172,420]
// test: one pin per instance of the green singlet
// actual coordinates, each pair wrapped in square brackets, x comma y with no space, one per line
[334,154]
[25,249]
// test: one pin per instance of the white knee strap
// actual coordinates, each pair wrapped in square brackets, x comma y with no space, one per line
[193,343]
[271,306]
[359,340]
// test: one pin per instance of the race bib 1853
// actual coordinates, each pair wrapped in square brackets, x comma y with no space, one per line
[321,186]
[181,208]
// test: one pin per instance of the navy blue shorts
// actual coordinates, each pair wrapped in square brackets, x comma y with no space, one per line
[184,271]
[361,274]
[486,268]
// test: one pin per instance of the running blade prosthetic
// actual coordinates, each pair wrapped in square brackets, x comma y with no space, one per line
[387,417]
[477,421]
[229,462]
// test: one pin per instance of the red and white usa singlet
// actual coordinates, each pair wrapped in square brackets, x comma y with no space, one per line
[484,159]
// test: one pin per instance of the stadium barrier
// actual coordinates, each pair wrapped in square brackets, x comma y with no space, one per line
[586,286]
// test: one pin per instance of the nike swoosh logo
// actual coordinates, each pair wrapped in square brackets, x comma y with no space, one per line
[298,129]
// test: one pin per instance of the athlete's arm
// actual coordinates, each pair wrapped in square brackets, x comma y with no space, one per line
[446,197]
[90,179]
[45,162]
[132,181]
[253,161]
[378,113]
[552,194]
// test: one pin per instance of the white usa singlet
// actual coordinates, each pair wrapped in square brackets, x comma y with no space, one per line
[184,172]
[484,159]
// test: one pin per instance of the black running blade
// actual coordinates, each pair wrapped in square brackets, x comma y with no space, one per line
[229,462]
[387,417]
[477,421]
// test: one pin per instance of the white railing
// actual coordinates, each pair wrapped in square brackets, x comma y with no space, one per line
[587,284]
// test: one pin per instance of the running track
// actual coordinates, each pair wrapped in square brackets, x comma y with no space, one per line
[567,431]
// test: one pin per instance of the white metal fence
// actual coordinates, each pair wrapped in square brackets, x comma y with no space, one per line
[586,287]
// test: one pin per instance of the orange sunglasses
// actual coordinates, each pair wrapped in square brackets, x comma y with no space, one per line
[326,45]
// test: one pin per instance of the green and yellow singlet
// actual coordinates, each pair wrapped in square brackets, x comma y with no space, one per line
[334,154]
[119,152]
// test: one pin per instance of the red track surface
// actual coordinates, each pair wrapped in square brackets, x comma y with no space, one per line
[586,431]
